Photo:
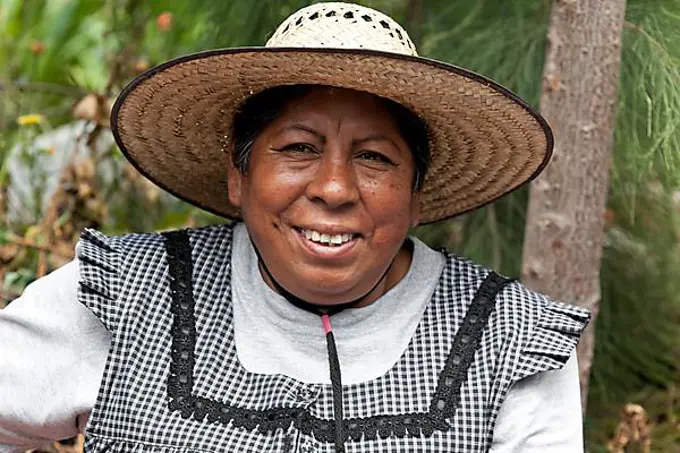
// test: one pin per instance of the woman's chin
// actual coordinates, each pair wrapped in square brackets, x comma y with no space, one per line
[327,296]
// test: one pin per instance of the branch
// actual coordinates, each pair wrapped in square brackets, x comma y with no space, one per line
[14,239]
[65,90]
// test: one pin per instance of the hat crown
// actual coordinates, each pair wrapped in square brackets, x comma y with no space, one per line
[342,26]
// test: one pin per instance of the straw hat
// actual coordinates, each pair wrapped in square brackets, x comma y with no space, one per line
[174,121]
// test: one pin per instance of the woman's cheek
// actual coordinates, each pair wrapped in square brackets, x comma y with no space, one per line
[279,189]
[392,201]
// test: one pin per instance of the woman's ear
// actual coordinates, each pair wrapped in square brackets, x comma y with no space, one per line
[234,183]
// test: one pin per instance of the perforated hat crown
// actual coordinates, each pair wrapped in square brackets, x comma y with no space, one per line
[342,26]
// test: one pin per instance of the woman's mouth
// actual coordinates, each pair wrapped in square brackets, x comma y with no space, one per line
[326,244]
[330,240]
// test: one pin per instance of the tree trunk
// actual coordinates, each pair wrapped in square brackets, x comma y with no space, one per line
[564,231]
[414,19]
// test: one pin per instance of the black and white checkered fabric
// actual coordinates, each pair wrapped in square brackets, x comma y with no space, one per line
[125,282]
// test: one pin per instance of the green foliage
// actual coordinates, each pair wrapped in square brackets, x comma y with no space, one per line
[239,24]
[640,276]
[636,347]
[648,134]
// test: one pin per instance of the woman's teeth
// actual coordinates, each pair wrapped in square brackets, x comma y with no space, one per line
[327,239]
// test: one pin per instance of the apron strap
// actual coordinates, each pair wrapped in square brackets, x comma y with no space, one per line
[465,344]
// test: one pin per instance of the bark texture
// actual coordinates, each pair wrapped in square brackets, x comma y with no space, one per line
[564,231]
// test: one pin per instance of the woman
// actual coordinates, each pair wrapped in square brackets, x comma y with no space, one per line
[316,323]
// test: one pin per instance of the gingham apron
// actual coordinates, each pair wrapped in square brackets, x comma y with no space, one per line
[173,381]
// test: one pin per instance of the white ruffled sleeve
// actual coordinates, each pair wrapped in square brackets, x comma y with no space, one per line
[542,414]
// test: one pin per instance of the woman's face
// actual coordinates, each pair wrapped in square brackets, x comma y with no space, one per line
[328,199]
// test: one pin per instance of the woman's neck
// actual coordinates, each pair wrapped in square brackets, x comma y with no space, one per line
[396,271]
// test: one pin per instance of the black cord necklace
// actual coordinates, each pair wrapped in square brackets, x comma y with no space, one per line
[333,360]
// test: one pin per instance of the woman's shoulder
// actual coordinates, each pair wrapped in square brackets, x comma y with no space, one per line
[92,239]
[468,275]
[111,266]
[546,330]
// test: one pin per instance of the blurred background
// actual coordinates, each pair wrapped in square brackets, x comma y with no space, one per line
[63,62]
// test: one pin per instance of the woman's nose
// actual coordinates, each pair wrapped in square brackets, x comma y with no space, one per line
[334,183]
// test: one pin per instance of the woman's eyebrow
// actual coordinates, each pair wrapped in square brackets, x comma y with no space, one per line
[375,137]
[305,128]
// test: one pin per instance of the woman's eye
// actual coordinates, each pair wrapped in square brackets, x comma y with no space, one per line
[299,148]
[375,157]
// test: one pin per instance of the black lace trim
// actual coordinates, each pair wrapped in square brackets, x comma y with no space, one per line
[183,331]
[464,346]
[181,379]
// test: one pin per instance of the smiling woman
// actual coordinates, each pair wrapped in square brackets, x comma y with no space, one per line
[313,322]
[332,163]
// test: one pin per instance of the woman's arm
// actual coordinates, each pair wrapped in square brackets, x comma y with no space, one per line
[542,414]
[52,356]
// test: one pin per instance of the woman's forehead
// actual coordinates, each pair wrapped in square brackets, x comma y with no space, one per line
[331,106]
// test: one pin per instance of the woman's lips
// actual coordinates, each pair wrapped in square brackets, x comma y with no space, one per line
[323,250]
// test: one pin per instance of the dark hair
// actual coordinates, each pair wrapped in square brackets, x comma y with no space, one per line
[260,110]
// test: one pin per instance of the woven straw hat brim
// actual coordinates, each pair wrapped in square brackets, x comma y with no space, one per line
[174,121]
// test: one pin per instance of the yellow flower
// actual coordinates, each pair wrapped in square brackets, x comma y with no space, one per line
[27,120]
